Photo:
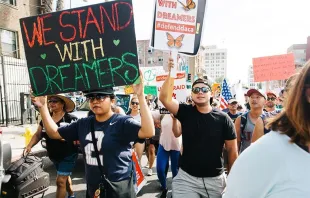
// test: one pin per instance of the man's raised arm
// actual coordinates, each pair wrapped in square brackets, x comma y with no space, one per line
[170,104]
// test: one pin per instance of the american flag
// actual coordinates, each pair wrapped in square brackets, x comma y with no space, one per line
[225,95]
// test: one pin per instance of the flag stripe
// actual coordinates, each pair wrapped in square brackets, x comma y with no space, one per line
[225,95]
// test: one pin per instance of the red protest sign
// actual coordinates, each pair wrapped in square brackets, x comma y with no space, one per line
[139,175]
[277,67]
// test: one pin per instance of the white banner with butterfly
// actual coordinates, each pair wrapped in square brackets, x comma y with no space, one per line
[175,25]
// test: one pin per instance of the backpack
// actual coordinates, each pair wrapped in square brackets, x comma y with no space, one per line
[244,119]
[27,177]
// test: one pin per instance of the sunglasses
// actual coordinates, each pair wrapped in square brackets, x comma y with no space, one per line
[134,103]
[271,99]
[53,101]
[196,90]
[91,98]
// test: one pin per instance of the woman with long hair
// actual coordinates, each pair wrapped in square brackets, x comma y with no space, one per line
[277,164]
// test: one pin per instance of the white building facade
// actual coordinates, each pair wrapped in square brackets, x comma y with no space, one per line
[215,62]
[251,83]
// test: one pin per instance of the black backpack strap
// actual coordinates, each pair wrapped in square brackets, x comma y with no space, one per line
[263,117]
[94,141]
[244,119]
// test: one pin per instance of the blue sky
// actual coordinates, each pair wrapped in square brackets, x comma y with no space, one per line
[247,28]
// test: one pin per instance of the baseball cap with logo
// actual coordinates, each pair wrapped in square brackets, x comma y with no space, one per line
[252,91]
[232,101]
[271,93]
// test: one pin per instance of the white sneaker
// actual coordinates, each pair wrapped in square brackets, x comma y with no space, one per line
[150,172]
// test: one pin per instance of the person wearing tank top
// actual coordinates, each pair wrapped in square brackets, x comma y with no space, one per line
[256,101]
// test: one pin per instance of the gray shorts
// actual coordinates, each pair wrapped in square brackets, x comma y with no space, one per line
[187,186]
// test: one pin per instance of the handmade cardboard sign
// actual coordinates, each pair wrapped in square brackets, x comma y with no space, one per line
[150,73]
[277,67]
[81,49]
[178,25]
[141,181]
[179,89]
[152,90]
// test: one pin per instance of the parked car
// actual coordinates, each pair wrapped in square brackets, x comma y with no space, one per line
[5,160]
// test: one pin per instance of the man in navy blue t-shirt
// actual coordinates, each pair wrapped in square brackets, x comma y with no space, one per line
[115,135]
[232,109]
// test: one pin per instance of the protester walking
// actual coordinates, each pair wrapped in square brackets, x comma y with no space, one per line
[269,112]
[232,109]
[135,114]
[62,153]
[169,148]
[106,139]
[277,165]
[246,122]
[204,132]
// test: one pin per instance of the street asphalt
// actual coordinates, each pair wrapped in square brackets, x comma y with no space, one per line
[150,190]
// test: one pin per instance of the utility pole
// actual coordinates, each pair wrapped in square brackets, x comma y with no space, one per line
[192,68]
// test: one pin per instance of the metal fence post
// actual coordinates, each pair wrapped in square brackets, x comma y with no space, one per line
[5,92]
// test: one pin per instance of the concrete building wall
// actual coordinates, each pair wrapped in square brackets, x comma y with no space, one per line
[299,51]
[215,62]
[10,15]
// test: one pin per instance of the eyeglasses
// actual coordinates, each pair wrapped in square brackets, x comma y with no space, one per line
[53,101]
[196,90]
[134,103]
[91,98]
[271,99]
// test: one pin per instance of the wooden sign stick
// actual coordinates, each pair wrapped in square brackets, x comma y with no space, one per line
[173,71]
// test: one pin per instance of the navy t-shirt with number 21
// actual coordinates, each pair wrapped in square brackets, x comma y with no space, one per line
[115,138]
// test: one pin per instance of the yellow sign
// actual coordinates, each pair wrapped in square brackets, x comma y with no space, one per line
[129,89]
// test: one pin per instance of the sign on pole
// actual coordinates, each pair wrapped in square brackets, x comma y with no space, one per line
[178,25]
[85,48]
[277,67]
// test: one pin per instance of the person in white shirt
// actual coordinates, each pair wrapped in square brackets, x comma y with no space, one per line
[169,147]
[277,165]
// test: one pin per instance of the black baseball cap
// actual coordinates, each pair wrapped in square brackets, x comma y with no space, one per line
[200,80]
[105,91]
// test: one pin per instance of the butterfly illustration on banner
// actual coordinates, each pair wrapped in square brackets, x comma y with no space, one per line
[190,5]
[174,42]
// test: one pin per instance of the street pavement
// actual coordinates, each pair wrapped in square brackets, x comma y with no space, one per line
[13,134]
[150,190]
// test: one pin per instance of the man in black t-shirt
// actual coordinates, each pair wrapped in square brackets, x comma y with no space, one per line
[204,133]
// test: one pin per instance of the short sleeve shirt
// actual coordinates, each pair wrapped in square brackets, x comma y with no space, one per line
[58,149]
[234,116]
[203,138]
[114,141]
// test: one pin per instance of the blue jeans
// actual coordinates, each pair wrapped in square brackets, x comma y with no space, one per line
[163,160]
